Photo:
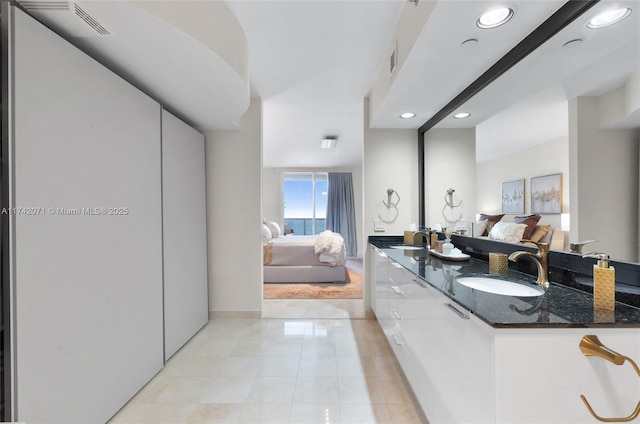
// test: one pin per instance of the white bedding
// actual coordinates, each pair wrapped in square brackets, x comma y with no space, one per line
[322,249]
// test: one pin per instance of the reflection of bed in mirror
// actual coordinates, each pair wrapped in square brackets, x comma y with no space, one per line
[305,259]
[511,231]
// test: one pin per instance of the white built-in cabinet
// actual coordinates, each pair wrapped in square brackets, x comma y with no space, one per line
[463,370]
[89,312]
[184,233]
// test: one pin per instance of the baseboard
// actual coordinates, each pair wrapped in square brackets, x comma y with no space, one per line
[235,314]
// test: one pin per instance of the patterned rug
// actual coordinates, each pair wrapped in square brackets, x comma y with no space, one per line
[351,289]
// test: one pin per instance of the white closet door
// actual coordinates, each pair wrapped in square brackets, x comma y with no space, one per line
[88,270]
[184,232]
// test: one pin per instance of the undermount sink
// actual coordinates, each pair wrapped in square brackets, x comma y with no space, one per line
[406,247]
[502,287]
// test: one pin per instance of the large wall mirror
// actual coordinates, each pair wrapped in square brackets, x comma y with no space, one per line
[571,107]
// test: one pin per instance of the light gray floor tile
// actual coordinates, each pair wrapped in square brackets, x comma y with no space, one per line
[311,365]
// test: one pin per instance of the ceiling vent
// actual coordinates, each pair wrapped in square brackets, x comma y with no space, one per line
[393,60]
[66,17]
[90,20]
[34,5]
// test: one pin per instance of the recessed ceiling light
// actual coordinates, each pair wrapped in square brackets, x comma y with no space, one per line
[407,115]
[471,42]
[609,17]
[462,115]
[495,17]
[572,43]
[329,142]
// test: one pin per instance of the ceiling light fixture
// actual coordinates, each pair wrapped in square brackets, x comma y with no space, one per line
[329,142]
[608,17]
[495,17]
[407,115]
[462,115]
[471,42]
[572,43]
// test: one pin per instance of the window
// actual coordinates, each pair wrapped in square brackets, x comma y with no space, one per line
[305,202]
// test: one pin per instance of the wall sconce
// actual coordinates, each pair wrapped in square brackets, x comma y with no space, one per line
[389,203]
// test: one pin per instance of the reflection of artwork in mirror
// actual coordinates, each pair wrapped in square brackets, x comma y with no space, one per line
[546,194]
[513,196]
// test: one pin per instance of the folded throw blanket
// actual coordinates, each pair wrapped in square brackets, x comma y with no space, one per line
[331,248]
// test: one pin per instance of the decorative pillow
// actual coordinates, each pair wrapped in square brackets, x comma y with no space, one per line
[492,220]
[479,228]
[531,221]
[274,228]
[266,233]
[507,231]
[540,232]
[266,253]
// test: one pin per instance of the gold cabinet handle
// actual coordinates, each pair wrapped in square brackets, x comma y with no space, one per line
[591,346]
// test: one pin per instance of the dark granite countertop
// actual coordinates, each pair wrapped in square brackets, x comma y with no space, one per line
[560,306]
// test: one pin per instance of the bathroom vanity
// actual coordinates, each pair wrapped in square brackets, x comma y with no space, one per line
[477,357]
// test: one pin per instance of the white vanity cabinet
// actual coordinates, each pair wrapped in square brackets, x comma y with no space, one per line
[463,370]
[451,350]
[417,318]
[379,290]
[403,295]
[541,373]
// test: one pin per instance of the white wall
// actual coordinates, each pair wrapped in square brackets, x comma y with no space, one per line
[390,161]
[604,191]
[547,158]
[450,162]
[234,216]
[272,194]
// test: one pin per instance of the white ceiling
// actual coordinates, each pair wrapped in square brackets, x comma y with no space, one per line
[507,114]
[164,61]
[313,62]
[439,67]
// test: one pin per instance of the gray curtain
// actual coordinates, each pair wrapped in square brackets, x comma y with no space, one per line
[341,215]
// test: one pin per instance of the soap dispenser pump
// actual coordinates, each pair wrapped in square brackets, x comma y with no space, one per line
[604,282]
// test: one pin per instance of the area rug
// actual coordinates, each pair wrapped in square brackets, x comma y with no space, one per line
[351,289]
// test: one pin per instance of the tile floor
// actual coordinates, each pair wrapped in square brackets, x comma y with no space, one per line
[313,308]
[280,370]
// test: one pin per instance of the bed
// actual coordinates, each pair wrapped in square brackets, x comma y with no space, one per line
[522,227]
[305,259]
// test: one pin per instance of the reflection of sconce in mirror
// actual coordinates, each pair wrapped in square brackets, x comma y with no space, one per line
[391,204]
[449,206]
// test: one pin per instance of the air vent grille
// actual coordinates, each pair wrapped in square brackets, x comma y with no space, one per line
[393,60]
[90,20]
[32,5]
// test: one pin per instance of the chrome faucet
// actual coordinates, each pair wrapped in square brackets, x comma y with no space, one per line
[541,258]
[577,247]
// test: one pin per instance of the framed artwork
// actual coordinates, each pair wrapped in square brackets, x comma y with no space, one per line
[513,196]
[546,194]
